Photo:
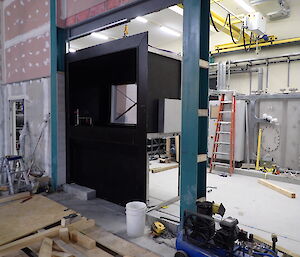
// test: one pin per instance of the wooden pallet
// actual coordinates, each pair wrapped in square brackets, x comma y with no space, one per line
[72,237]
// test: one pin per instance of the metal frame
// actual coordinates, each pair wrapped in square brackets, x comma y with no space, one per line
[118,16]
[194,97]
[53,90]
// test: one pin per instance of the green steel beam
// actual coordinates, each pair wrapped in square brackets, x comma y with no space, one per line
[194,97]
[53,36]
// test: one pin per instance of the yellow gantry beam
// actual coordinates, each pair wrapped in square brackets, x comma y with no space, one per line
[236,47]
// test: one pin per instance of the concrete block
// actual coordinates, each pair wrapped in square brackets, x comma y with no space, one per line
[80,192]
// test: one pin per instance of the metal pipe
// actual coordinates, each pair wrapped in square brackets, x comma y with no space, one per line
[228,78]
[262,59]
[289,72]
[260,79]
[247,135]
[267,75]
[250,86]
[265,58]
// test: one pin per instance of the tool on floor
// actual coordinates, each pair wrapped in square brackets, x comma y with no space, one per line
[157,228]
[222,132]
[15,175]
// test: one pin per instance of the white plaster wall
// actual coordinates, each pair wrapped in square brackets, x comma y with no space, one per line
[37,108]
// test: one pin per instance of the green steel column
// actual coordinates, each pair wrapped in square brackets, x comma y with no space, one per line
[203,97]
[53,36]
[194,97]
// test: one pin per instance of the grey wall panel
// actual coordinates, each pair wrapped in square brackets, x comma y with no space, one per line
[280,142]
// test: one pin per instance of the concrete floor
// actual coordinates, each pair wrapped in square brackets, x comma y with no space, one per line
[259,209]
[112,218]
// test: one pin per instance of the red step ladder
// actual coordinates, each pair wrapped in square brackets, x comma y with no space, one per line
[222,129]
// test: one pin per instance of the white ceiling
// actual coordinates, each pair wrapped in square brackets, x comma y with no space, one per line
[170,19]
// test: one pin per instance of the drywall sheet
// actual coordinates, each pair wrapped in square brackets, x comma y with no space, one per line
[26,39]
[170,116]
[28,59]
[22,16]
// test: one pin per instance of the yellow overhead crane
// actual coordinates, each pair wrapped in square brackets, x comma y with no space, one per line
[223,25]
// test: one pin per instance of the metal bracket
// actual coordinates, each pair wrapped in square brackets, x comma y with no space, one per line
[203,64]
[202,158]
[203,112]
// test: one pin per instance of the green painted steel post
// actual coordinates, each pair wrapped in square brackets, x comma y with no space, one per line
[53,79]
[194,97]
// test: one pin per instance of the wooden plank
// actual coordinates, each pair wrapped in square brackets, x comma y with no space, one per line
[28,217]
[160,169]
[117,244]
[46,248]
[278,247]
[82,240]
[63,234]
[14,197]
[61,254]
[277,188]
[52,232]
[95,252]
[168,147]
[68,248]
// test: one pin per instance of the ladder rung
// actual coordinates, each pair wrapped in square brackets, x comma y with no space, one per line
[226,102]
[221,164]
[223,132]
[224,122]
[222,143]
[221,153]
[225,111]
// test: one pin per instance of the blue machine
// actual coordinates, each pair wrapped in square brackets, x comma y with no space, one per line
[199,236]
[185,248]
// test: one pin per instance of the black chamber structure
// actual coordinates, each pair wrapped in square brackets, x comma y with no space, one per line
[112,158]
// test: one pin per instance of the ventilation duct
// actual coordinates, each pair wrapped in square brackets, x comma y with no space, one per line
[282,13]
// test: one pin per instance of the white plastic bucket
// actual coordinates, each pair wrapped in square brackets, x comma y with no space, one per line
[135,218]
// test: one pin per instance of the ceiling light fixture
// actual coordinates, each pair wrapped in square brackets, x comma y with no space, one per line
[72,50]
[245,6]
[170,31]
[176,9]
[100,36]
[141,19]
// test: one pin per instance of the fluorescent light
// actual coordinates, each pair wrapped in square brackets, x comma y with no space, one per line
[100,36]
[170,31]
[176,9]
[245,6]
[72,50]
[141,19]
